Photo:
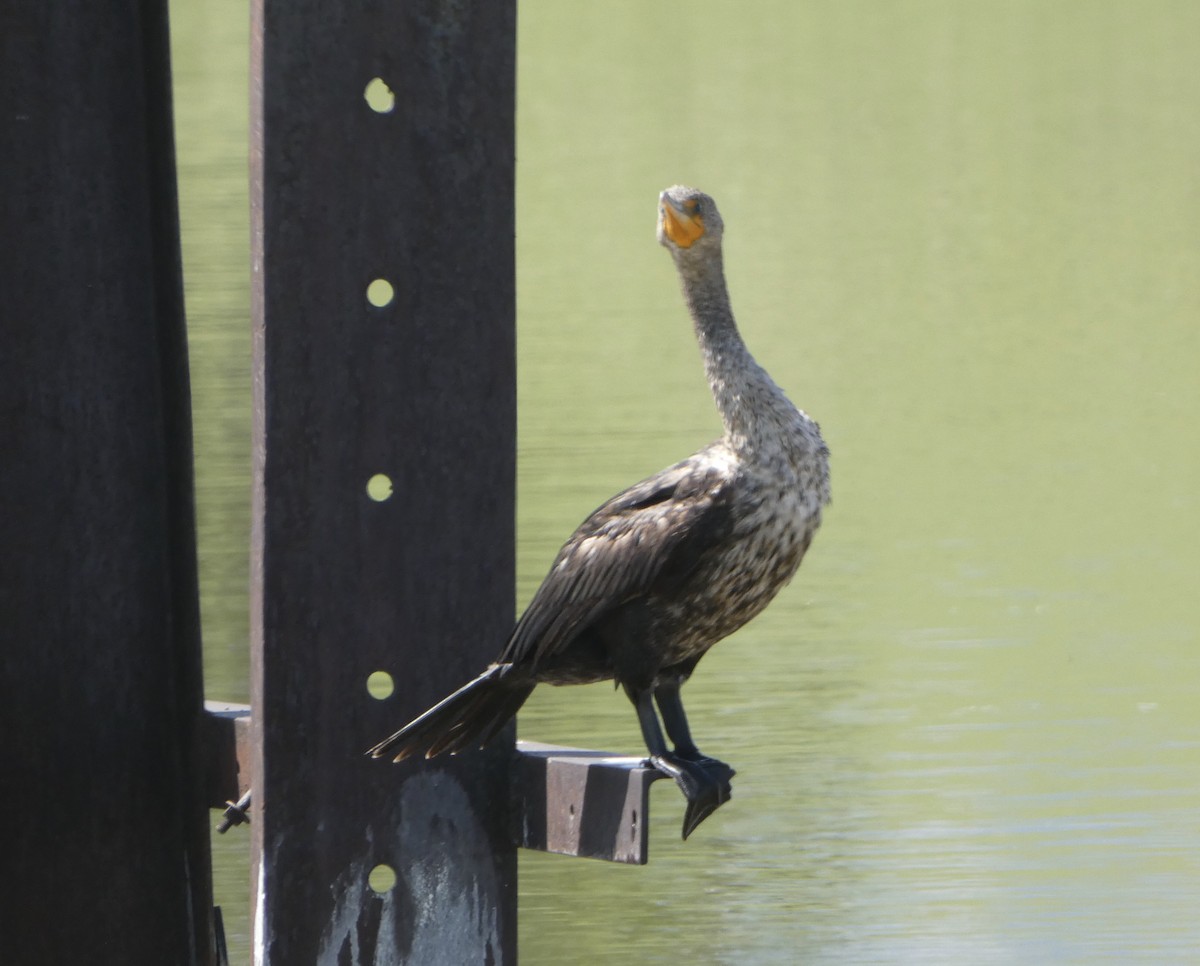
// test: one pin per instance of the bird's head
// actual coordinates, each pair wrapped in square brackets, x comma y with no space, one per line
[688,221]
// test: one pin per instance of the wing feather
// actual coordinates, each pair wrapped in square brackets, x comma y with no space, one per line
[655,531]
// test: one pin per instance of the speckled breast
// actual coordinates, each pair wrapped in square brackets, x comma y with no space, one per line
[735,582]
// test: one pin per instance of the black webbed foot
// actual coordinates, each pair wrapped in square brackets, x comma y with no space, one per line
[705,783]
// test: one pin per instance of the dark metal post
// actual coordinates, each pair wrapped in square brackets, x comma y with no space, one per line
[103,820]
[384,472]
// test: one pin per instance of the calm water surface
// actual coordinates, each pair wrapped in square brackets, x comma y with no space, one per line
[966,237]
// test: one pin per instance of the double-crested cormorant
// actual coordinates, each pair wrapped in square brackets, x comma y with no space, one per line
[661,572]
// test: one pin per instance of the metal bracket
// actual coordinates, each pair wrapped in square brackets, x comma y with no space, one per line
[566,800]
[577,802]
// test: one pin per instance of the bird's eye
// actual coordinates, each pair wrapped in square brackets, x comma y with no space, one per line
[691,206]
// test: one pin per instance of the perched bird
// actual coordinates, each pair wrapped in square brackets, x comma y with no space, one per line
[662,571]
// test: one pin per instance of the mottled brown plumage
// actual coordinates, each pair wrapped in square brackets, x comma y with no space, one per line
[662,571]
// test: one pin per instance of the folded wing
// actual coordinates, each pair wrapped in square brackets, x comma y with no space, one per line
[645,540]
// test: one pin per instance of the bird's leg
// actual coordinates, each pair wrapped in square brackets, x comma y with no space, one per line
[705,788]
[670,705]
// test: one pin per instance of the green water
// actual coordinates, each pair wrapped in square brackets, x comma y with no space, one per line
[966,237]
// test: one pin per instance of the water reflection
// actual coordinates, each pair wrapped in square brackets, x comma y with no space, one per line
[963,237]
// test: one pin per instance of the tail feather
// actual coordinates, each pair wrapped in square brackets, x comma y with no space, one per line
[492,716]
[512,704]
[468,718]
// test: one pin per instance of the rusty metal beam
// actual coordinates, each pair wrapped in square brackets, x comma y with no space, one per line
[384,471]
[105,838]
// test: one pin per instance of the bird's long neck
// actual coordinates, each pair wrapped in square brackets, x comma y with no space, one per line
[754,410]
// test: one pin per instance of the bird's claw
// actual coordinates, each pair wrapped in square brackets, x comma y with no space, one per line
[705,783]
